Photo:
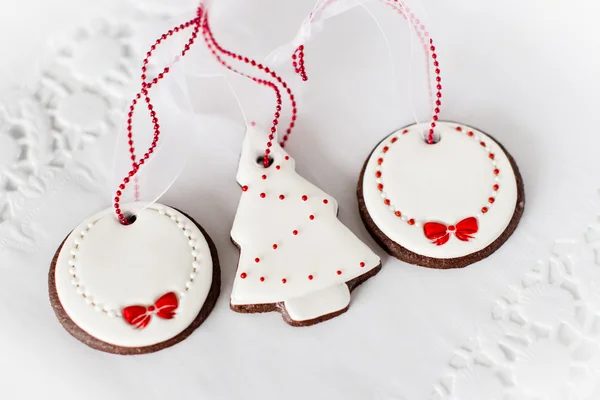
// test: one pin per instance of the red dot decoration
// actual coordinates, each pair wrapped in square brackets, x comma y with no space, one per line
[398,213]
[283,280]
[496,171]
[470,133]
[262,278]
[264,177]
[492,156]
[394,139]
[362,264]
[380,187]
[380,161]
[295,232]
[491,200]
[484,210]
[263,195]
[243,275]
[378,174]
[482,144]
[404,132]
[311,217]
[281,197]
[304,197]
[287,158]
[385,149]
[339,272]
[244,188]
[496,187]
[325,201]
[278,167]
[275,246]
[257,260]
[459,129]
[310,277]
[411,221]
[387,202]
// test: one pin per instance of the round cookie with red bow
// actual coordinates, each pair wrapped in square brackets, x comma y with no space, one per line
[442,205]
[136,288]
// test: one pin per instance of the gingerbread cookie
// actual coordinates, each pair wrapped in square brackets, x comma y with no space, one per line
[296,257]
[442,205]
[138,288]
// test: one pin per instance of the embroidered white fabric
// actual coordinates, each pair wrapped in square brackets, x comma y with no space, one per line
[523,324]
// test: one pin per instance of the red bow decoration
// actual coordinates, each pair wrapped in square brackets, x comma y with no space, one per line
[440,233]
[140,316]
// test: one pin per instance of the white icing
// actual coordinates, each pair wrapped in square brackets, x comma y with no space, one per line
[445,182]
[322,247]
[118,266]
[321,302]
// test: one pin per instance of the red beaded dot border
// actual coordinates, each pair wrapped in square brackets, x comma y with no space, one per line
[411,221]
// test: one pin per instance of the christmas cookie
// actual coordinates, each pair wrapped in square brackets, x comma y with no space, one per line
[442,205]
[296,257]
[138,288]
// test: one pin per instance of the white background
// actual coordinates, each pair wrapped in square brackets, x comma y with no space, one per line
[522,324]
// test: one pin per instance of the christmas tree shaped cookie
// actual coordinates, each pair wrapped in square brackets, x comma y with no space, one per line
[296,257]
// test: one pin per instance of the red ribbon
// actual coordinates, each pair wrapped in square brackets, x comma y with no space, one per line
[440,233]
[140,316]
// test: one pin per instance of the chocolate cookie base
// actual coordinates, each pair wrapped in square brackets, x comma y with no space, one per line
[98,344]
[280,307]
[410,257]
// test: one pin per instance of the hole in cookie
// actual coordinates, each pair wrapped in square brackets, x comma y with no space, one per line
[130,218]
[436,138]
[260,160]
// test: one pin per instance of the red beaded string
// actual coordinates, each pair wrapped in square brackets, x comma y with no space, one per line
[199,22]
[216,48]
[299,66]
[146,86]
[422,33]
